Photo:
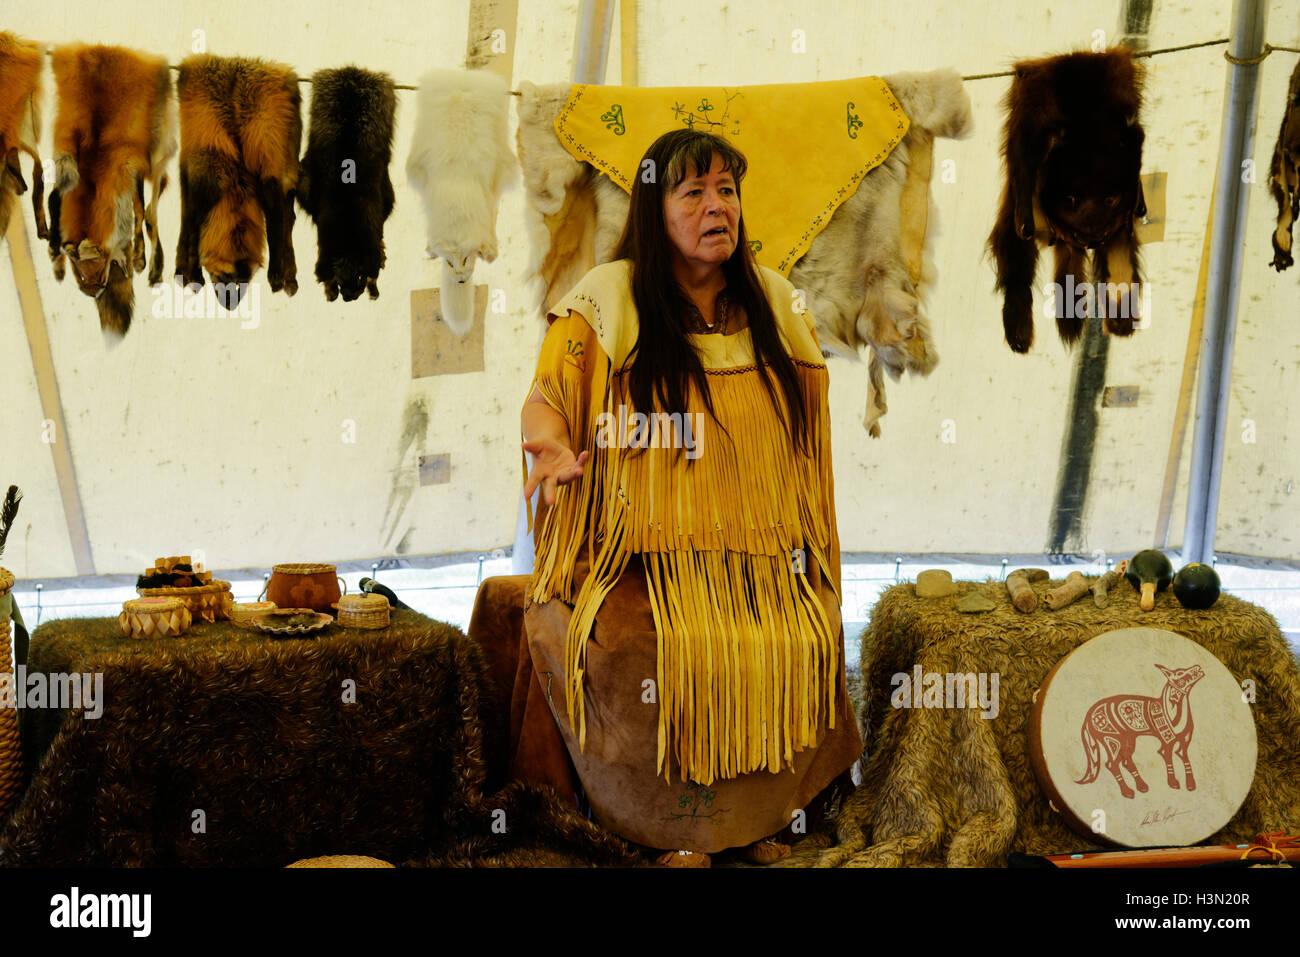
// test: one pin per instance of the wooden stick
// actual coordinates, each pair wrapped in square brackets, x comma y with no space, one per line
[1101,589]
[1022,596]
[1075,586]
[1033,574]
[1265,847]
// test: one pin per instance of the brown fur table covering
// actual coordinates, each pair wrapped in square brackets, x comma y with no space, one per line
[254,732]
[947,786]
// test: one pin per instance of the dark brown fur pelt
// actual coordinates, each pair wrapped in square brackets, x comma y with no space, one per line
[536,829]
[945,786]
[20,125]
[256,734]
[241,130]
[1073,151]
[1284,177]
[113,133]
[351,121]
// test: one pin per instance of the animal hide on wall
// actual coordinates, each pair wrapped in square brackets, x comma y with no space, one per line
[868,272]
[864,276]
[459,163]
[1284,177]
[343,183]
[241,131]
[114,131]
[1073,151]
[20,126]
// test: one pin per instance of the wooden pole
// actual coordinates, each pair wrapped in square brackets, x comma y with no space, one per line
[47,385]
[627,42]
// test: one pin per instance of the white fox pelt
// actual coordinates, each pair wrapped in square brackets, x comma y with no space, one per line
[460,161]
[855,275]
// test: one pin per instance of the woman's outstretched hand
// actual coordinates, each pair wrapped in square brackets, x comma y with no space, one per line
[553,464]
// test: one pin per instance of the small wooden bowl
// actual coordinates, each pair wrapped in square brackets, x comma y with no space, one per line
[244,614]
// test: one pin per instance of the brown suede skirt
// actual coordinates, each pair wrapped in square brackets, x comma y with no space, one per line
[618,771]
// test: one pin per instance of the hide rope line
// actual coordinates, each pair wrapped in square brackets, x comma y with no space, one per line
[1268,48]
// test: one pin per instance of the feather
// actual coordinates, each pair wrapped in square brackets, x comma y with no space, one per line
[8,514]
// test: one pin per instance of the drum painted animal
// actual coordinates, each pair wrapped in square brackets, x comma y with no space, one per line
[1107,694]
[1116,723]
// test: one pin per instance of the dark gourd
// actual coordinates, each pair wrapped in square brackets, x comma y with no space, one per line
[1149,572]
[1196,586]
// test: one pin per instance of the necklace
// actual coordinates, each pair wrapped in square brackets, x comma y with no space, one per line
[700,324]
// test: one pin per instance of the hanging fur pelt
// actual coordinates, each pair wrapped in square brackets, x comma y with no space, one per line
[241,131]
[459,163]
[20,126]
[114,131]
[1284,177]
[865,274]
[1073,151]
[343,184]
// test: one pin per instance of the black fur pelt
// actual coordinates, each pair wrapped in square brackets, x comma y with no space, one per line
[1073,151]
[343,184]
[1284,177]
[257,736]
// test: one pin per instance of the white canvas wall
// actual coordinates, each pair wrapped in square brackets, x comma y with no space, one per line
[198,434]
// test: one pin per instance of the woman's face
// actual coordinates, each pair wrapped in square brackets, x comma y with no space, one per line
[702,214]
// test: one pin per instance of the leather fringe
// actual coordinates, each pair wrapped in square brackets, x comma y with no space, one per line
[747,665]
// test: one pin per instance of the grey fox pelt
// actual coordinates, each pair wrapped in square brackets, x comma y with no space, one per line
[343,184]
[1073,151]
[115,130]
[241,130]
[1284,177]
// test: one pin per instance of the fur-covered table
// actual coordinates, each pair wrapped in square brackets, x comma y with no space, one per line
[225,747]
[946,786]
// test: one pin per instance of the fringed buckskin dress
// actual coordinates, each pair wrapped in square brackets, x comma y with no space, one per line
[684,612]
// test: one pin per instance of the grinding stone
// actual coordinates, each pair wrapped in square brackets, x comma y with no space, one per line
[976,602]
[935,583]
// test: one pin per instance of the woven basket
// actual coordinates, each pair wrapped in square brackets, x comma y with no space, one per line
[243,614]
[340,860]
[314,585]
[11,754]
[209,602]
[154,617]
[363,611]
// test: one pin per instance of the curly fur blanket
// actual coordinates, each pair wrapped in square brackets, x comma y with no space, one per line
[945,786]
[866,274]
[256,734]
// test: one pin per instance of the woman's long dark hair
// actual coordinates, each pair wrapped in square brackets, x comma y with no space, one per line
[663,362]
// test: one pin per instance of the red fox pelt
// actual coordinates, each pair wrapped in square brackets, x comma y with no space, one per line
[20,125]
[351,123]
[1284,177]
[114,132]
[241,130]
[1073,151]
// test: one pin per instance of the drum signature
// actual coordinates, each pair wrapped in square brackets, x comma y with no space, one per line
[1160,817]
